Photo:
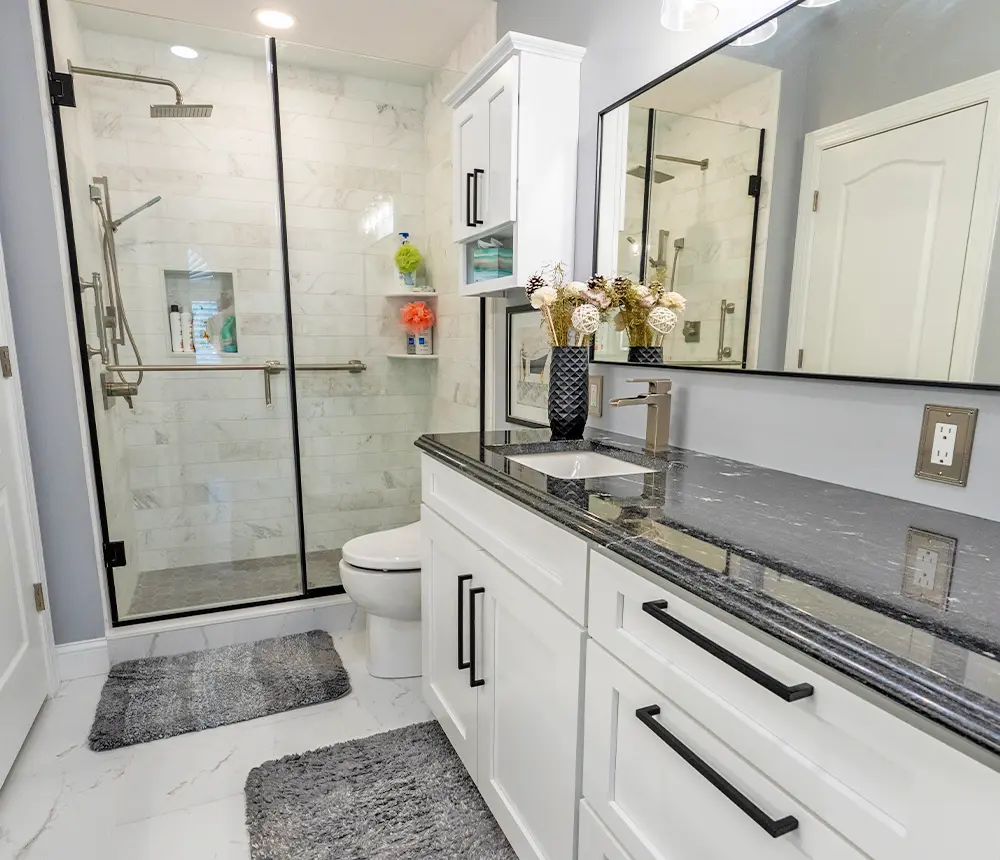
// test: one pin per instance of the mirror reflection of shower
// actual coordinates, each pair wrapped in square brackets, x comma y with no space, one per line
[112,319]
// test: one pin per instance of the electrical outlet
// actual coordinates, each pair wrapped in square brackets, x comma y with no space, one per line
[945,449]
[928,566]
[596,396]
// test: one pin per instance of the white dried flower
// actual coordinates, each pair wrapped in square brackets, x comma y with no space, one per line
[544,297]
[576,287]
[641,291]
[586,319]
[662,320]
[674,301]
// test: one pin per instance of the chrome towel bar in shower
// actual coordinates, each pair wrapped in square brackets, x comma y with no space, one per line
[113,389]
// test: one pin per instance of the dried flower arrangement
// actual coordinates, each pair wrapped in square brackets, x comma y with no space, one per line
[417,317]
[646,313]
[572,311]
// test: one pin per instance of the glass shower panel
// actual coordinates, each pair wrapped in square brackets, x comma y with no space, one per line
[366,151]
[182,293]
[700,229]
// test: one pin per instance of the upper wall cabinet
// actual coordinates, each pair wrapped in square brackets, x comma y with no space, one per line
[515,133]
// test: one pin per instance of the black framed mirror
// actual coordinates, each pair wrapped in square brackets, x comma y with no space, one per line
[823,189]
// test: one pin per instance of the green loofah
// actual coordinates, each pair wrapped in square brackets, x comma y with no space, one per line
[408,259]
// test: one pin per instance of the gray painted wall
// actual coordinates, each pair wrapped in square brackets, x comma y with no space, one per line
[859,435]
[30,227]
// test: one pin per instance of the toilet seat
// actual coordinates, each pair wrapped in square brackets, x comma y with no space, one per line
[394,550]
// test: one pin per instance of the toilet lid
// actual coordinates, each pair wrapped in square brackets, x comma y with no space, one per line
[395,549]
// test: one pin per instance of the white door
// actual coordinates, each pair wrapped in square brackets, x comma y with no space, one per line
[23,669]
[498,184]
[449,568]
[529,714]
[889,237]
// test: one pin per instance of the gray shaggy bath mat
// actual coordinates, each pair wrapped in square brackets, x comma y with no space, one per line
[400,795]
[159,697]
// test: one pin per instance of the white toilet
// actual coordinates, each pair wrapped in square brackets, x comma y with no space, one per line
[381,574]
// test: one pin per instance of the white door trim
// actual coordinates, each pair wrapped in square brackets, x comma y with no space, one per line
[27,486]
[985,210]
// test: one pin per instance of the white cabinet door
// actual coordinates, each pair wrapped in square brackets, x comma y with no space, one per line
[448,573]
[471,159]
[596,841]
[497,184]
[529,658]
[667,788]
[23,670]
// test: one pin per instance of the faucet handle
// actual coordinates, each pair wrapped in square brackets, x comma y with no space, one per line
[660,385]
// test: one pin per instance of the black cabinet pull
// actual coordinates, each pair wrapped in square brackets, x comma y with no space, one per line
[470,179]
[476,220]
[464,578]
[658,609]
[773,827]
[473,680]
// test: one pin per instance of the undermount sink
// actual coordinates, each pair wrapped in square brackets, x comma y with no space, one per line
[578,464]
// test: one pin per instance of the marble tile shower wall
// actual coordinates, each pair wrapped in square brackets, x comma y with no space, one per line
[209,465]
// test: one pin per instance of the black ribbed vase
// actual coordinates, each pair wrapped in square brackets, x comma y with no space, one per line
[568,381]
[645,355]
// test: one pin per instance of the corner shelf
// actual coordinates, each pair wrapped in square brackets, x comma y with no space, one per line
[410,356]
[406,294]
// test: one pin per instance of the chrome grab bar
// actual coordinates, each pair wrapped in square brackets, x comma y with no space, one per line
[269,368]
[727,307]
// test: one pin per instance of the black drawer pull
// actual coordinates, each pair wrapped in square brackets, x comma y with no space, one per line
[773,827]
[473,680]
[462,664]
[658,609]
[476,220]
[470,178]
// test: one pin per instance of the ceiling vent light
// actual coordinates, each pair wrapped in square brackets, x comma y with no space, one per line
[184,52]
[681,15]
[272,19]
[755,37]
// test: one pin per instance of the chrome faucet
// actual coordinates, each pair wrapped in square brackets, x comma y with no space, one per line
[657,415]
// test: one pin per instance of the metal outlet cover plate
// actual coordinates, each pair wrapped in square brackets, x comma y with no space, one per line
[958,472]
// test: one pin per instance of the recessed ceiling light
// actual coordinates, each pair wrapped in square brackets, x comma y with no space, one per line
[680,15]
[274,20]
[184,51]
[755,37]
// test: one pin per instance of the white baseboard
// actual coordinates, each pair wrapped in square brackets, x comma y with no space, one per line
[82,659]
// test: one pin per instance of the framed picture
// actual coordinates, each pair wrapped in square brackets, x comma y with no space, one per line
[529,358]
[930,560]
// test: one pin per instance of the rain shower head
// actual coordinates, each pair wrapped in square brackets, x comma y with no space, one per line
[180,111]
[659,177]
[177,110]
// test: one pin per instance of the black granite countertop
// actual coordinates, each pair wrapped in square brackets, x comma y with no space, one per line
[861,582]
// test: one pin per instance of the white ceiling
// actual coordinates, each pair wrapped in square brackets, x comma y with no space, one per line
[423,32]
[712,79]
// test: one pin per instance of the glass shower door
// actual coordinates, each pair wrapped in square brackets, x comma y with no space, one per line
[182,296]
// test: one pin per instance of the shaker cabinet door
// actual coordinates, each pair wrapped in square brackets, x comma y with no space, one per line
[529,715]
[447,577]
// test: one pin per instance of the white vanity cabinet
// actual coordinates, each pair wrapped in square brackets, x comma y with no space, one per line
[503,676]
[514,142]
[606,715]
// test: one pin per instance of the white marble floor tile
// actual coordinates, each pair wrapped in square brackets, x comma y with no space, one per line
[180,797]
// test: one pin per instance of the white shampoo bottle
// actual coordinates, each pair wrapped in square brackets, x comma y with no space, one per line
[176,337]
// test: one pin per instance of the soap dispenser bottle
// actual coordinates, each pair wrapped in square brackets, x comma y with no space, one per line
[176,337]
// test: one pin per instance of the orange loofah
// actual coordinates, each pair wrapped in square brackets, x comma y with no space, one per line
[417,317]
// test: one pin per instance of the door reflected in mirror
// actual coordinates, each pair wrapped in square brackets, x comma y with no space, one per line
[825,197]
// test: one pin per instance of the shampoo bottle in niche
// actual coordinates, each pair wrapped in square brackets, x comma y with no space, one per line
[176,335]
[187,332]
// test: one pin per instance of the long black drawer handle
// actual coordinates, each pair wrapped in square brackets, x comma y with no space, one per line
[475,196]
[470,179]
[773,827]
[464,578]
[658,609]
[473,680]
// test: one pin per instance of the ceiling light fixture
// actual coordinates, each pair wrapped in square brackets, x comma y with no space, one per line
[681,15]
[274,20]
[818,4]
[755,37]
[184,52]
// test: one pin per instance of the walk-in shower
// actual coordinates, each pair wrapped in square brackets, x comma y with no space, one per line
[277,421]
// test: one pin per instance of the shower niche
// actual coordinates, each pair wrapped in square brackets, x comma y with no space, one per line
[200,311]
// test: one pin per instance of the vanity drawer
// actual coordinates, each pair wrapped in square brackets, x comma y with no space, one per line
[857,767]
[596,841]
[548,558]
[667,787]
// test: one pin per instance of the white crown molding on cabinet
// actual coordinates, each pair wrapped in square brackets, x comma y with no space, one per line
[509,46]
